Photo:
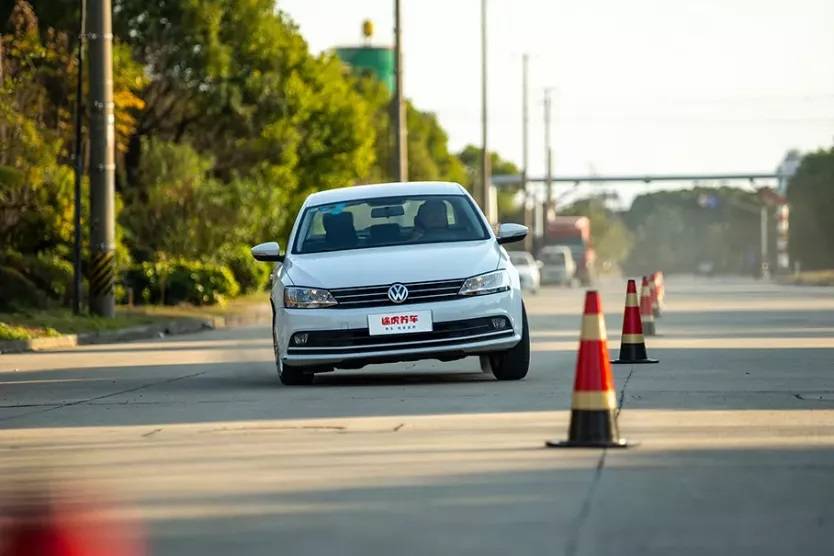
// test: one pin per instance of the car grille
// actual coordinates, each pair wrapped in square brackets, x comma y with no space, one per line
[377,296]
[359,340]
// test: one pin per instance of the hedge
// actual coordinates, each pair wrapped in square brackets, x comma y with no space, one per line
[180,281]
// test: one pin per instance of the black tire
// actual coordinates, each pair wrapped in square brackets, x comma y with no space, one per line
[514,363]
[294,376]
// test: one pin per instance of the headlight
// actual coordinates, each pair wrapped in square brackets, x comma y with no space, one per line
[307,298]
[491,282]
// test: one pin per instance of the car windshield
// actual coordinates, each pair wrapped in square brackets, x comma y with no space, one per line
[386,221]
[553,257]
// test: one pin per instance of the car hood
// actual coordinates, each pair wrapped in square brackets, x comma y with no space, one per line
[386,265]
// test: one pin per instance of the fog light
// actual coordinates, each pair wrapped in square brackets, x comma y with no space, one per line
[499,323]
[300,339]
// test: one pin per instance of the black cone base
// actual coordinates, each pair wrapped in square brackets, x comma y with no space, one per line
[633,353]
[621,443]
[591,429]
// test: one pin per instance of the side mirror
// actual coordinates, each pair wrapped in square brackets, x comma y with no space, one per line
[508,233]
[267,252]
[540,264]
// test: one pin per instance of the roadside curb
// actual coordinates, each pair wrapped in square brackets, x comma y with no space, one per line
[166,328]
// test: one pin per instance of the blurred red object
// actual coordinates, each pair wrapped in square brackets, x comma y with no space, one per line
[50,528]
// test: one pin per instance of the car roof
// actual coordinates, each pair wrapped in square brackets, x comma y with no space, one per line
[395,189]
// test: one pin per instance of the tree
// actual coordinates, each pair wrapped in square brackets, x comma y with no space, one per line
[509,209]
[811,200]
[235,80]
[674,231]
[35,186]
[181,205]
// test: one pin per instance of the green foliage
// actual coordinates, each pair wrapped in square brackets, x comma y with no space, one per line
[811,198]
[509,209]
[674,231]
[612,240]
[428,152]
[225,122]
[235,80]
[250,274]
[427,144]
[46,271]
[180,281]
[18,291]
[175,208]
[10,332]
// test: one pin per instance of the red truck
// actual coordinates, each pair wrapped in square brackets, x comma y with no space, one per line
[573,232]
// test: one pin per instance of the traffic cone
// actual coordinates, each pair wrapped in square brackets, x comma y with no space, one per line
[661,287]
[632,345]
[593,417]
[646,310]
[655,298]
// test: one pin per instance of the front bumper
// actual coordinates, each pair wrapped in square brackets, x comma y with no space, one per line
[390,348]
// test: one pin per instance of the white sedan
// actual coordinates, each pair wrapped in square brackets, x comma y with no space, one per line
[395,272]
[529,270]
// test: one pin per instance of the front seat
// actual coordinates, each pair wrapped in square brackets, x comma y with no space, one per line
[431,219]
[339,232]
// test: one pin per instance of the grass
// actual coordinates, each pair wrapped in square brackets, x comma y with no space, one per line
[811,278]
[37,323]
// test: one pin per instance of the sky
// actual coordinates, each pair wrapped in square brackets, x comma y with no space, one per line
[639,87]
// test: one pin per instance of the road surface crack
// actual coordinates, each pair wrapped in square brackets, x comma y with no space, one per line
[585,510]
[102,397]
[622,392]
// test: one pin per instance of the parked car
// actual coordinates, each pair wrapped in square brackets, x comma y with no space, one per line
[395,272]
[558,266]
[528,270]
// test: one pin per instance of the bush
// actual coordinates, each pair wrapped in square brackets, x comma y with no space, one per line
[10,332]
[47,271]
[18,291]
[179,281]
[250,274]
[52,274]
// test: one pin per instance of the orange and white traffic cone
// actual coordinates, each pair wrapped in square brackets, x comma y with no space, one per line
[655,297]
[632,344]
[661,287]
[646,309]
[593,417]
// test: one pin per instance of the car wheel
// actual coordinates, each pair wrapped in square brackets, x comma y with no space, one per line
[513,363]
[294,376]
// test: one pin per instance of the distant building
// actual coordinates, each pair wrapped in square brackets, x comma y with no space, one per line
[369,60]
[374,60]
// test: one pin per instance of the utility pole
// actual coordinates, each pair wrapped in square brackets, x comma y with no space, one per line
[102,160]
[548,153]
[79,162]
[765,262]
[528,240]
[399,116]
[486,171]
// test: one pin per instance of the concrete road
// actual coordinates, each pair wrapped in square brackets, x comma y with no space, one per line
[197,441]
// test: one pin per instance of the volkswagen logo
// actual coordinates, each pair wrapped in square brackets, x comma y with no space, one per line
[397,293]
